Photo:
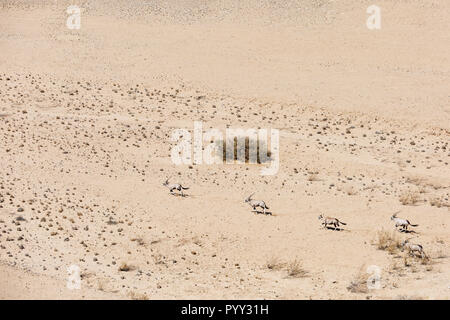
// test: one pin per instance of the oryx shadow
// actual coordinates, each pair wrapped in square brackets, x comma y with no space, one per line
[179,195]
[333,229]
[268,213]
[406,231]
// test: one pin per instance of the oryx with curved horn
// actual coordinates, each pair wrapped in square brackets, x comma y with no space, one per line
[413,248]
[174,186]
[331,221]
[257,203]
[403,223]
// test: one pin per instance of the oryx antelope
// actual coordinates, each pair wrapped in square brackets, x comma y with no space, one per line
[174,186]
[330,221]
[413,248]
[403,223]
[257,203]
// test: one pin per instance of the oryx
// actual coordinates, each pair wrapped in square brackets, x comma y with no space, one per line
[403,223]
[413,248]
[257,203]
[330,221]
[174,186]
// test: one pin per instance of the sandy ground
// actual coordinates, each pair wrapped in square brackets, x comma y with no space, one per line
[86,118]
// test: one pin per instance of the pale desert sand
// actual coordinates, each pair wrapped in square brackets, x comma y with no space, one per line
[86,118]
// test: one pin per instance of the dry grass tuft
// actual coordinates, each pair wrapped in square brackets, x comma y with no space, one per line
[388,241]
[359,283]
[274,263]
[410,258]
[438,202]
[295,269]
[409,198]
[396,268]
